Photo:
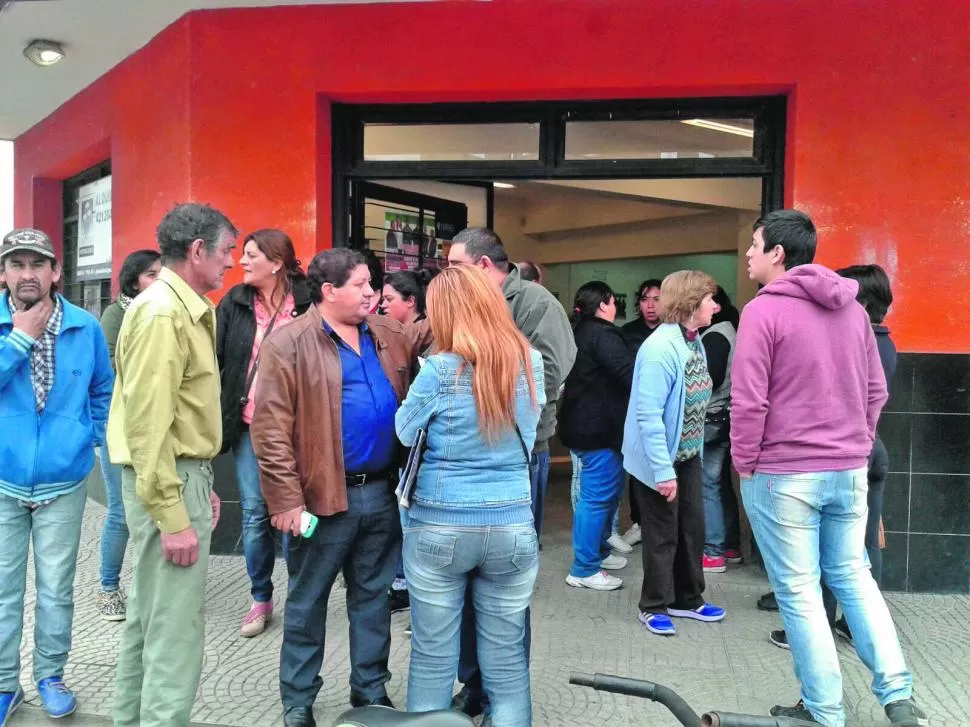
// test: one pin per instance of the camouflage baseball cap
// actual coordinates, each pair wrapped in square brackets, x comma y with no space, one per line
[27,239]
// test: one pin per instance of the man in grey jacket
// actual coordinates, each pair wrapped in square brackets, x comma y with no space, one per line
[543,321]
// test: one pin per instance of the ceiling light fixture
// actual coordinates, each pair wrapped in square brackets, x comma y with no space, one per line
[44,52]
[720,126]
[503,185]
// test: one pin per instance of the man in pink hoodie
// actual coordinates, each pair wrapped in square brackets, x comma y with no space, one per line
[807,390]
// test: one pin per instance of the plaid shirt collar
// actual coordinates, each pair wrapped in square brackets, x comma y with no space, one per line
[42,355]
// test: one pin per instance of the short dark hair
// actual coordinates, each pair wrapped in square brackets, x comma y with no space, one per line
[332,266]
[482,242]
[875,290]
[411,284]
[644,287]
[528,270]
[133,266]
[588,299]
[794,231]
[186,223]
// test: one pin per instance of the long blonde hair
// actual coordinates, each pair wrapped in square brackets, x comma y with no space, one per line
[469,317]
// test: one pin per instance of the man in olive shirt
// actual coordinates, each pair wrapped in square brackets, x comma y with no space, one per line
[165,427]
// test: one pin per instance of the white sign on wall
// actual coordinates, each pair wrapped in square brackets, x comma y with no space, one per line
[94,231]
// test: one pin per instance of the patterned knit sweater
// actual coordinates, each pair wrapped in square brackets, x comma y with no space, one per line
[697,386]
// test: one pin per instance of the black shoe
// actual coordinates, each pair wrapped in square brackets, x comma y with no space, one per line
[780,639]
[796,712]
[905,713]
[358,701]
[467,702]
[299,717]
[841,629]
[400,600]
[767,602]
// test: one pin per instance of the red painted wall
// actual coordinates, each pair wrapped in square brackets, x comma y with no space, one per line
[231,107]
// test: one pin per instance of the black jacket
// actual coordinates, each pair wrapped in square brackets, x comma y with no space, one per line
[597,391]
[235,333]
[637,331]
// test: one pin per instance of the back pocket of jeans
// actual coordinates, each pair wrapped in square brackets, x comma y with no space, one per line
[526,553]
[436,549]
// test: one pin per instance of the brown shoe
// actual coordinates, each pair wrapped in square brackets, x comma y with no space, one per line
[257,619]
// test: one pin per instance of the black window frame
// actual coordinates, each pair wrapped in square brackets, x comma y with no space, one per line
[70,287]
[348,164]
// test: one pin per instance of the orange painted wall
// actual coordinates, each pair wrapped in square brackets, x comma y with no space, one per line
[231,107]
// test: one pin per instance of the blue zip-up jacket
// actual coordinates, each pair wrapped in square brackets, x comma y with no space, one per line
[464,479]
[655,417]
[43,456]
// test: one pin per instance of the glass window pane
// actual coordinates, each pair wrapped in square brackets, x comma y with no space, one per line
[686,139]
[451,142]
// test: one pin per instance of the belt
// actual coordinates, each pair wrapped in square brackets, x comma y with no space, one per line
[367,478]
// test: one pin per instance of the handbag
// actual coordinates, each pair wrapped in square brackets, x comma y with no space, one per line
[409,475]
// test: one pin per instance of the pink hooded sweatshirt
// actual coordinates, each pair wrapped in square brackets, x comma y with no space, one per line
[807,383]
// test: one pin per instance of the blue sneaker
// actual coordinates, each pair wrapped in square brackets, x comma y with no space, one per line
[9,701]
[708,613]
[59,701]
[658,623]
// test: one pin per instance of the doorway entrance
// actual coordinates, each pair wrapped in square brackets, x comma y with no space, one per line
[564,183]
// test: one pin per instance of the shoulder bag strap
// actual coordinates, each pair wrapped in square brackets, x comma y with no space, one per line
[269,329]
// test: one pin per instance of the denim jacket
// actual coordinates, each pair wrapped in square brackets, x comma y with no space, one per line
[464,479]
[655,417]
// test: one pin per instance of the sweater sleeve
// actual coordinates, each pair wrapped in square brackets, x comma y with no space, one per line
[111,321]
[878,392]
[750,374]
[616,357]
[718,350]
[655,379]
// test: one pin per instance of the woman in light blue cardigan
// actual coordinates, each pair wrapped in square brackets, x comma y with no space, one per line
[663,441]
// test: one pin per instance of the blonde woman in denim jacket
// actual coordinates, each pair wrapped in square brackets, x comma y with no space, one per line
[470,517]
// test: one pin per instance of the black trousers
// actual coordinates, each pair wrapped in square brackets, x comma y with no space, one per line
[364,542]
[673,542]
[634,505]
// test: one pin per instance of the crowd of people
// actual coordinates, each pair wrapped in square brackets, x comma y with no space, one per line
[319,398]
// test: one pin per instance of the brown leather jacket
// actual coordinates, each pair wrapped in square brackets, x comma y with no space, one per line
[296,426]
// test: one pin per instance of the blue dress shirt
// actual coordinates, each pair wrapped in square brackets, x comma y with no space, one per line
[367,407]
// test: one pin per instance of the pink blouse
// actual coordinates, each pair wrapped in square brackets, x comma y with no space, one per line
[263,317]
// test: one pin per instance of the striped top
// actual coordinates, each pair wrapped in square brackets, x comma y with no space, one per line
[697,393]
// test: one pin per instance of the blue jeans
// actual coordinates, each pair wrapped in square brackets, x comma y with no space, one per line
[364,543]
[55,529]
[468,671]
[600,492]
[114,535]
[574,493]
[721,523]
[259,545]
[500,565]
[812,526]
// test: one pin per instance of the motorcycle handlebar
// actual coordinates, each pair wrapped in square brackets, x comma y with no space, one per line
[677,706]
[728,719]
[638,688]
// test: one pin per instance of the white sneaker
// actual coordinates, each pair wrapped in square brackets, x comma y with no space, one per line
[619,544]
[613,562]
[633,535]
[599,581]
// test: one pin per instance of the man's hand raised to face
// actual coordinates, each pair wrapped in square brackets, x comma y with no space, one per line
[34,321]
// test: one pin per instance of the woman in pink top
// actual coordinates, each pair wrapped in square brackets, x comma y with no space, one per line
[273,292]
